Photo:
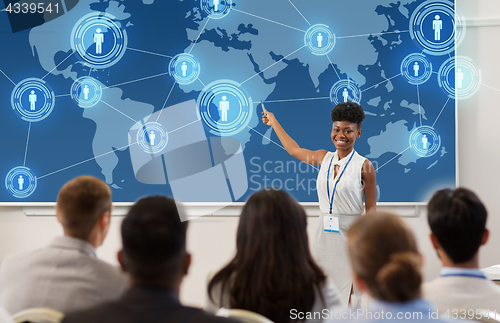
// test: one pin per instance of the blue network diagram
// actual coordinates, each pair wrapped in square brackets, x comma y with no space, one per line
[164,97]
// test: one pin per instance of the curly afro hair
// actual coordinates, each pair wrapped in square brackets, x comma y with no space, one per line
[348,111]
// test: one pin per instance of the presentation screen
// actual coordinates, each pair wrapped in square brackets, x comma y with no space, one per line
[165,97]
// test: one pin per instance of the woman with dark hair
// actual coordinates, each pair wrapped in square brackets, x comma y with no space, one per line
[345,181]
[386,266]
[273,272]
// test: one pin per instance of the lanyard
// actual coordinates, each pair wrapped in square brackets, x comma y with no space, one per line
[336,182]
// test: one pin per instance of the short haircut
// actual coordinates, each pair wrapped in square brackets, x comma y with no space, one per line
[458,219]
[154,240]
[384,254]
[80,204]
[348,111]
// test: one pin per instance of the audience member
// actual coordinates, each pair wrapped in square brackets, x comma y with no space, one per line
[5,317]
[273,272]
[457,219]
[386,266]
[154,254]
[66,275]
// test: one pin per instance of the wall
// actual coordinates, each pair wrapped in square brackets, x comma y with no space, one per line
[211,240]
[478,144]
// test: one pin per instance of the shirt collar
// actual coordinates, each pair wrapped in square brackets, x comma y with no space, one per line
[454,271]
[343,161]
[149,292]
[414,305]
[66,242]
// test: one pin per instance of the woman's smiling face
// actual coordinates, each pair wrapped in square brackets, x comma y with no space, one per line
[344,135]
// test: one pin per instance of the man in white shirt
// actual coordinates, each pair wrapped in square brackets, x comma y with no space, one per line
[5,317]
[66,275]
[457,219]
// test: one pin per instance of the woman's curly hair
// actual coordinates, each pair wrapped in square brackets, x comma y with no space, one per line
[348,111]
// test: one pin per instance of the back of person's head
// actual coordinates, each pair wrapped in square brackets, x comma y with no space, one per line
[154,242]
[81,203]
[273,270]
[384,256]
[457,219]
[348,111]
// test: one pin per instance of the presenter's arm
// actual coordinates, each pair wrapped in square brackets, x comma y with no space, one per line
[370,180]
[312,157]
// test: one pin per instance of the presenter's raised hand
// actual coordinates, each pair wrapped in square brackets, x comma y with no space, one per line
[269,118]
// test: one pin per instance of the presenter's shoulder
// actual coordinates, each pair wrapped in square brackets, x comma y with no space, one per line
[367,167]
[322,154]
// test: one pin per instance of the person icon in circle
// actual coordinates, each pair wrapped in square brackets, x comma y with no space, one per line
[152,138]
[86,92]
[319,38]
[224,108]
[416,68]
[184,68]
[425,142]
[345,94]
[32,99]
[437,26]
[98,40]
[20,181]
[459,78]
[216,5]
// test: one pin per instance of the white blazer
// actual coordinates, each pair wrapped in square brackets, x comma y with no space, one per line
[462,292]
[64,276]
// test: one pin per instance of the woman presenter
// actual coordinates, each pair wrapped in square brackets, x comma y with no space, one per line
[345,180]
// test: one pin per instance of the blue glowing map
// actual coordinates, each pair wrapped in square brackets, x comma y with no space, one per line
[164,96]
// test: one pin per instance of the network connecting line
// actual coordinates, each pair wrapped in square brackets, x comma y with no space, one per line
[85,161]
[27,142]
[490,87]
[146,52]
[386,80]
[64,60]
[264,136]
[299,12]
[419,106]
[376,34]
[333,66]
[119,111]
[138,80]
[7,77]
[201,31]
[441,112]
[165,104]
[184,126]
[392,159]
[293,100]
